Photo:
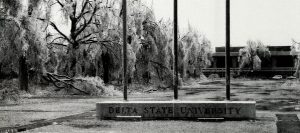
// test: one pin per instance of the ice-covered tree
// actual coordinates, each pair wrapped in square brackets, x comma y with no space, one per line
[81,15]
[197,53]
[252,55]
[21,38]
[295,51]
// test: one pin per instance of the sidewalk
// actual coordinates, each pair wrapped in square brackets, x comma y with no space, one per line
[265,123]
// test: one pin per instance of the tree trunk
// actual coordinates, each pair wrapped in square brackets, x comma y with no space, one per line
[73,63]
[96,64]
[297,74]
[58,61]
[23,74]
[1,70]
[147,75]
[106,63]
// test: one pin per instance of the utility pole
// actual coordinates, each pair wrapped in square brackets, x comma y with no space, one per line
[175,50]
[125,80]
[227,58]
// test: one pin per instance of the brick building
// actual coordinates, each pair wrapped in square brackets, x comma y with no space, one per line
[280,62]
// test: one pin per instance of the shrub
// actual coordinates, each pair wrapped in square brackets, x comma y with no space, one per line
[96,86]
[9,93]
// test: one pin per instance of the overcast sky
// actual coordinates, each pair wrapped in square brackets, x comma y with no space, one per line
[274,22]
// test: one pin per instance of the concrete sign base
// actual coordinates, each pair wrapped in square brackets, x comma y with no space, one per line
[176,109]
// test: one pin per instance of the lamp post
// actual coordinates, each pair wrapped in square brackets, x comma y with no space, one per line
[227,58]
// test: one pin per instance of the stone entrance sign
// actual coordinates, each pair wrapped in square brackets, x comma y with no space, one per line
[176,109]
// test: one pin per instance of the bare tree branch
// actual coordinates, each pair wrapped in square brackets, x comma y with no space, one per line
[74,6]
[82,13]
[55,79]
[59,3]
[56,39]
[295,41]
[62,34]
[85,37]
[88,41]
[60,44]
[86,24]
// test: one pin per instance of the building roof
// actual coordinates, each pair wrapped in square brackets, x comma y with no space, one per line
[223,54]
[271,48]
[275,51]
[232,49]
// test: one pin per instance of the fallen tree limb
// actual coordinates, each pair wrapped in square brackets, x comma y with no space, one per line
[62,82]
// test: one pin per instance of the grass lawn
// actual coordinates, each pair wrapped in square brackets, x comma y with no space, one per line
[272,97]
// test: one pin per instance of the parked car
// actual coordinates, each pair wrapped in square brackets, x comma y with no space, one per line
[277,77]
[291,77]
